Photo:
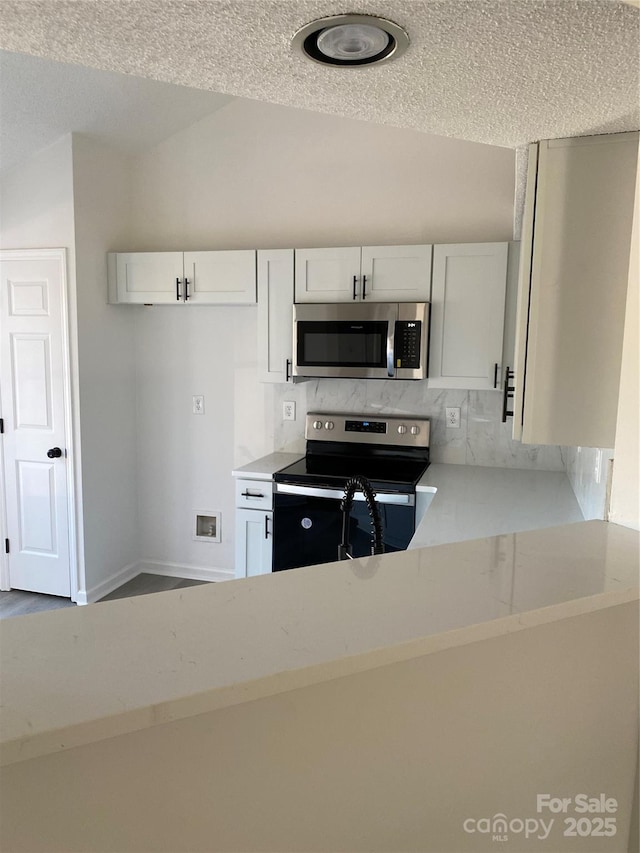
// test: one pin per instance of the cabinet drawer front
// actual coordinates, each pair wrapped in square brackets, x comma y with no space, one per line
[254,494]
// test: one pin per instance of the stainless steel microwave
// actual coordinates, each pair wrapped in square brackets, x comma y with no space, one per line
[380,340]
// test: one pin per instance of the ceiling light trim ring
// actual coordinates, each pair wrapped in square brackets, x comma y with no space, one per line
[305,40]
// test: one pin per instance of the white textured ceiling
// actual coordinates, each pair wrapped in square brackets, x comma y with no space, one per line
[503,72]
[41,100]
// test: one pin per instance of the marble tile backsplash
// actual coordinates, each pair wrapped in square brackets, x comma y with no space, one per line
[482,438]
[588,472]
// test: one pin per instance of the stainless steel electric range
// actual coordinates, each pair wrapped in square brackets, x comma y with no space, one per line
[392,453]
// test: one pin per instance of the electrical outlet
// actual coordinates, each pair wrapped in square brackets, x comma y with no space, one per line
[452,414]
[289,411]
[198,405]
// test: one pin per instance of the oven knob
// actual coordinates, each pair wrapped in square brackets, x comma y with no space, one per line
[415,430]
[328,425]
[402,429]
[317,424]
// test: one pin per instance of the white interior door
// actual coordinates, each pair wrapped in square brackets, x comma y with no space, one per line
[33,385]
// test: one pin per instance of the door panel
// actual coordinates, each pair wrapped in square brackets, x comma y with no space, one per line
[32,380]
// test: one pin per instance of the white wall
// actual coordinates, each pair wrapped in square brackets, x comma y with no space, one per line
[36,211]
[257,175]
[106,347]
[36,203]
[254,174]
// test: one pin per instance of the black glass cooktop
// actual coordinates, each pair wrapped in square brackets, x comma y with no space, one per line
[384,473]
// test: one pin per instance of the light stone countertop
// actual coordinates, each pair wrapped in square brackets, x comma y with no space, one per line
[473,501]
[266,467]
[75,676]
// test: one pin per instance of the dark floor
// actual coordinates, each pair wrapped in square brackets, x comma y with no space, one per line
[15,602]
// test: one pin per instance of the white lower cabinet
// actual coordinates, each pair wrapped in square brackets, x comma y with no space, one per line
[467,315]
[183,278]
[275,314]
[254,527]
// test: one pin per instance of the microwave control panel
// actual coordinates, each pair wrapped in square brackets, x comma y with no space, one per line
[407,343]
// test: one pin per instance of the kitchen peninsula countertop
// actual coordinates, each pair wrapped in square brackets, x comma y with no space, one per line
[265,467]
[472,501]
[75,676]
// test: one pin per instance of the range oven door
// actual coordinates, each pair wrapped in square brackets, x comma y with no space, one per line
[341,340]
[307,525]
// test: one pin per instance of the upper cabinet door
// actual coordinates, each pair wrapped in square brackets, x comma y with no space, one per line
[396,273]
[327,275]
[220,278]
[275,314]
[146,277]
[467,315]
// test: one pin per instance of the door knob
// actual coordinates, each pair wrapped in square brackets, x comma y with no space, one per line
[54,453]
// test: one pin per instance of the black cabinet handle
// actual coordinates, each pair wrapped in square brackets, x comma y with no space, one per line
[186,289]
[266,527]
[507,395]
[287,365]
[364,287]
[178,294]
[495,375]
[355,293]
[54,453]
[249,494]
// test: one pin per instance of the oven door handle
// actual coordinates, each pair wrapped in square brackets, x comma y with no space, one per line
[338,494]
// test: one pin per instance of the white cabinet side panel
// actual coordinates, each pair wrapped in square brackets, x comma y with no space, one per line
[578,290]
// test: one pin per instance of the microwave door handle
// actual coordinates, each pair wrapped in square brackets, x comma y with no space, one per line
[391,350]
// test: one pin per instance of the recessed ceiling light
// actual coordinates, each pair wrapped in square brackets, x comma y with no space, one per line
[351,40]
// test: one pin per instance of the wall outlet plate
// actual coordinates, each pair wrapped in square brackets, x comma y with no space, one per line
[198,405]
[452,415]
[289,411]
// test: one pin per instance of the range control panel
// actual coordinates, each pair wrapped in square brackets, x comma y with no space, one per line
[406,431]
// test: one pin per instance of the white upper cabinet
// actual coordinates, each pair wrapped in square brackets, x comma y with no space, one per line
[146,277]
[275,314]
[367,273]
[395,273]
[327,275]
[573,282]
[183,278]
[220,278]
[467,315]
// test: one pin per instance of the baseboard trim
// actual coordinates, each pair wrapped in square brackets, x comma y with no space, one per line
[180,570]
[176,570]
[95,593]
